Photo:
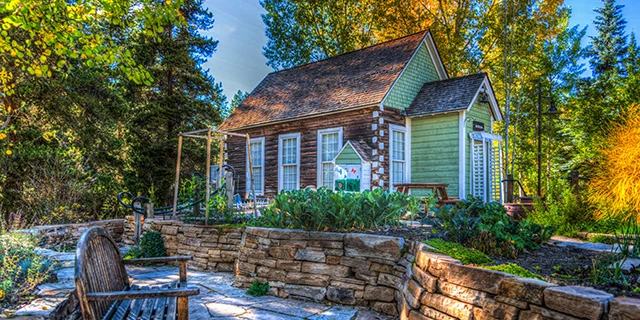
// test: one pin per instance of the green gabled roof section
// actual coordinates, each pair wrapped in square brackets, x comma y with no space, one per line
[353,152]
[420,70]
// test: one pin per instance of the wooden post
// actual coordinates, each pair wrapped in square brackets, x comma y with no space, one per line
[137,225]
[253,187]
[177,181]
[220,163]
[148,210]
[208,179]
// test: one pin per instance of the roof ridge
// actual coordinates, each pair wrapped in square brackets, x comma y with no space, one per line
[425,31]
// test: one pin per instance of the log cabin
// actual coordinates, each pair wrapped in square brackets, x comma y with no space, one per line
[371,118]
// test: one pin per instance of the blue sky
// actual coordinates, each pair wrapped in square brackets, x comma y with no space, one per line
[240,65]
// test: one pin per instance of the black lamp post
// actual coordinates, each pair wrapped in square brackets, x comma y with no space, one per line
[552,110]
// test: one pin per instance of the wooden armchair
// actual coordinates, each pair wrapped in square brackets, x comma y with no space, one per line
[103,287]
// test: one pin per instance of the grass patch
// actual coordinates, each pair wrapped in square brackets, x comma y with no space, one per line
[515,269]
[458,251]
[601,238]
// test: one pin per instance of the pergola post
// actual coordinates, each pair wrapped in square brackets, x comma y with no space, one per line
[177,181]
[253,187]
[208,178]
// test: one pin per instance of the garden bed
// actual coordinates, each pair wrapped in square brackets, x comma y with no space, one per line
[574,266]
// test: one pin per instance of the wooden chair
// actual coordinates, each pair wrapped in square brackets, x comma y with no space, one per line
[103,287]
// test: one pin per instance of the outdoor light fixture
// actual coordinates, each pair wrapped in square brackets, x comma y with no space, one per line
[551,111]
[484,98]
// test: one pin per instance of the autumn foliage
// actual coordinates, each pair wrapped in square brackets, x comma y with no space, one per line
[616,187]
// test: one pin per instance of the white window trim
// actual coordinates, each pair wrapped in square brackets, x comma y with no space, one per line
[392,128]
[254,140]
[337,130]
[280,170]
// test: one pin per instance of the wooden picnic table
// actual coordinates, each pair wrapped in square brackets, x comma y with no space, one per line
[439,191]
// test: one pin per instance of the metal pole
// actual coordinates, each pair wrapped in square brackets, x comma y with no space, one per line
[208,178]
[539,130]
[177,181]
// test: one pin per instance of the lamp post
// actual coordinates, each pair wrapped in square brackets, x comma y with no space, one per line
[552,110]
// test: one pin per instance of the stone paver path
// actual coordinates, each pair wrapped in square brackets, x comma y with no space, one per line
[217,298]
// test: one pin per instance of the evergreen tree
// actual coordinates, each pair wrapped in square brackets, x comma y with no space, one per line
[609,47]
[237,100]
[182,98]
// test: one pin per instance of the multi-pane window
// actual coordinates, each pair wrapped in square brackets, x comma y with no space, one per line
[398,155]
[289,161]
[257,162]
[329,144]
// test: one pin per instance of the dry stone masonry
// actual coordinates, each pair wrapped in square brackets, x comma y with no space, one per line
[213,248]
[350,269]
[55,236]
[405,280]
[440,287]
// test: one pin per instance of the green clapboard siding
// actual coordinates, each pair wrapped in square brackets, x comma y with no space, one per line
[479,112]
[348,156]
[419,71]
[434,151]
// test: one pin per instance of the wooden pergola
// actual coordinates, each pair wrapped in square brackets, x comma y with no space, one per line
[221,138]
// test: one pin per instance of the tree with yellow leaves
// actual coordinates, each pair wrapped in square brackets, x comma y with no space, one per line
[616,187]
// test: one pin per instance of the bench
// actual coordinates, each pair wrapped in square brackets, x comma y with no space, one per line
[104,290]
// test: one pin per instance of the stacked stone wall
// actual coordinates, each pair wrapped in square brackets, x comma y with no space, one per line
[440,287]
[213,248]
[349,269]
[55,236]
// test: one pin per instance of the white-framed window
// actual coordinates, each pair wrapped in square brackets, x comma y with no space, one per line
[398,155]
[329,144]
[289,161]
[257,166]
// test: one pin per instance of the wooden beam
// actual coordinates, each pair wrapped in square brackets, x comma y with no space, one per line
[229,133]
[177,181]
[200,137]
[196,131]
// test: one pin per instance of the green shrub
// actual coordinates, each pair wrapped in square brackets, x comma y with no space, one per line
[459,252]
[324,209]
[258,289]
[568,213]
[515,269]
[151,246]
[488,228]
[21,268]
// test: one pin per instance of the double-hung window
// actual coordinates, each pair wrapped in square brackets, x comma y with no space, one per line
[329,144]
[398,136]
[257,166]
[289,161]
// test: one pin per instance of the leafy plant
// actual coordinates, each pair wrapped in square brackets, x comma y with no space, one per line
[152,244]
[324,209]
[21,268]
[258,289]
[628,241]
[458,251]
[515,269]
[487,228]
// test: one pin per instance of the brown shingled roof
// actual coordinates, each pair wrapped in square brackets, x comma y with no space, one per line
[356,79]
[446,95]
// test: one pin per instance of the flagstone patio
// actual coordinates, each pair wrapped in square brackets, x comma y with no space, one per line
[217,298]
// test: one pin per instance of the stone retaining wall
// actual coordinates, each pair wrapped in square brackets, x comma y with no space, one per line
[55,236]
[440,287]
[350,269]
[213,248]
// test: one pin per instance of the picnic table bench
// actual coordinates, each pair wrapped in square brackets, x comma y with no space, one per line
[438,190]
[104,290]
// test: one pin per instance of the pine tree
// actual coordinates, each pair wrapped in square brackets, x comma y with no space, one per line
[609,47]
[182,98]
